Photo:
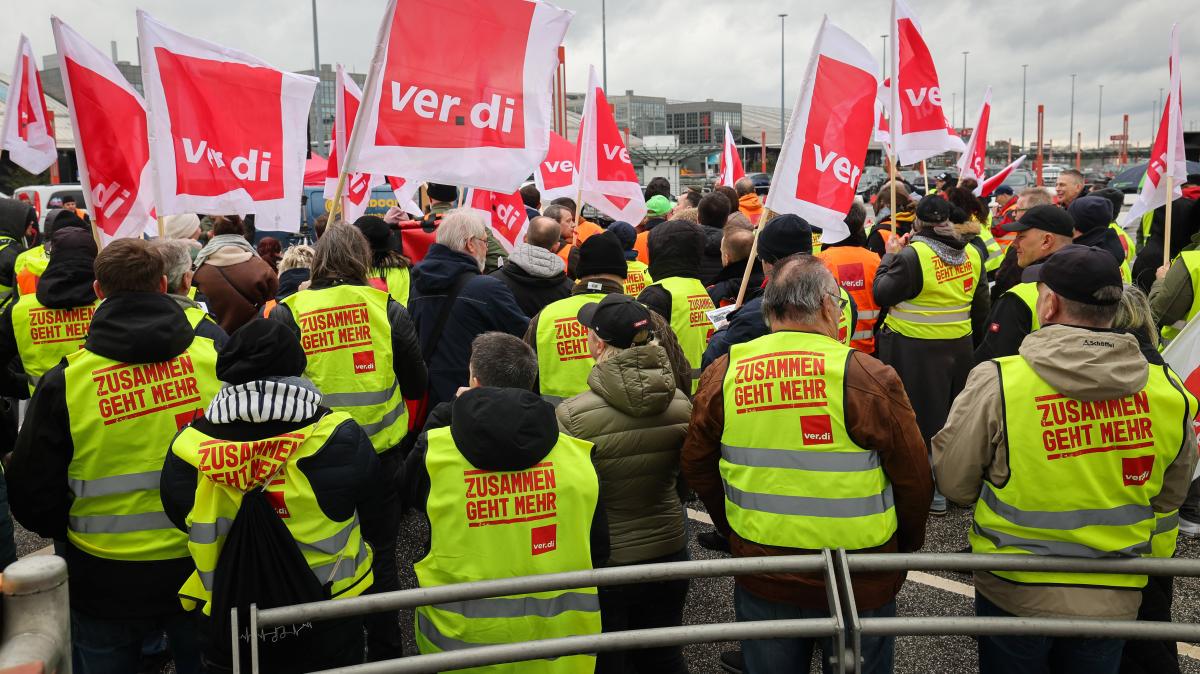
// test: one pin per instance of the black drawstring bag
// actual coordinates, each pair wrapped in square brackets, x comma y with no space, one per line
[261,564]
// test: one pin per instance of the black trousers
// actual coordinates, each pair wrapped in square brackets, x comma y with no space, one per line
[641,606]
[1153,657]
[384,638]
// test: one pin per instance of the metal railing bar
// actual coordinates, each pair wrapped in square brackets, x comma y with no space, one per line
[853,623]
[639,573]
[1048,627]
[833,594]
[598,643]
[977,562]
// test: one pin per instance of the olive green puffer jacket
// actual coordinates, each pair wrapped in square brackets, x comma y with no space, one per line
[637,420]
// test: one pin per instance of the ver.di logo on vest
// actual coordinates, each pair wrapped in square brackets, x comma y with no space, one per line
[543,539]
[364,362]
[816,430]
[1136,470]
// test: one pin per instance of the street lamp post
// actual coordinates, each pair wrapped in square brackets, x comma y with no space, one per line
[1024,72]
[1071,136]
[317,130]
[885,55]
[964,116]
[1099,115]
[782,121]
[604,42]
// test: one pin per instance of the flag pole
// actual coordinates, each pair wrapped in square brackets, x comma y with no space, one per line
[1167,221]
[161,227]
[892,183]
[925,176]
[741,296]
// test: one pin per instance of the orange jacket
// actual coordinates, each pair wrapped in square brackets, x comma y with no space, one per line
[854,268]
[751,207]
[642,245]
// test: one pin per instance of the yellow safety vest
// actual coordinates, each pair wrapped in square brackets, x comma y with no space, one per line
[793,475]
[1190,259]
[1028,293]
[334,550]
[942,310]
[346,335]
[196,316]
[122,419]
[637,277]
[845,321]
[28,269]
[486,525]
[564,360]
[690,305]
[44,336]
[1083,473]
[394,281]
[995,254]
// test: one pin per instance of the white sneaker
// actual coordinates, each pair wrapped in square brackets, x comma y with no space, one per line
[1189,528]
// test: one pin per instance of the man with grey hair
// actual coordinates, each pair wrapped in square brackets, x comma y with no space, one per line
[1070,186]
[1075,447]
[798,442]
[452,302]
[177,260]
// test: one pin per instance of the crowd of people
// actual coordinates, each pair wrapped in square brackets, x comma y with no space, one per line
[213,422]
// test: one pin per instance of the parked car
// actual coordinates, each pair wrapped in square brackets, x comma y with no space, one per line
[873,178]
[39,196]
[762,182]
[1129,180]
[1019,180]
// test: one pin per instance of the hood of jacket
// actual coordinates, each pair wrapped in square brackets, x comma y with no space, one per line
[532,265]
[14,216]
[139,328]
[750,203]
[1103,238]
[1085,363]
[969,229]
[637,381]
[952,251]
[503,428]
[712,241]
[436,273]
[678,249]
[67,283]
[736,270]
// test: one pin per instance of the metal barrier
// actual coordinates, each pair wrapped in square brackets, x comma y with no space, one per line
[37,615]
[843,624]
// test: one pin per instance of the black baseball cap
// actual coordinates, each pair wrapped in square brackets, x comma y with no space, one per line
[1077,272]
[1048,218]
[618,319]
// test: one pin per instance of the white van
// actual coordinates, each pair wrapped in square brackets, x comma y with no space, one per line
[39,197]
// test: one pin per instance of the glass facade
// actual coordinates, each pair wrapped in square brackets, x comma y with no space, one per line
[704,124]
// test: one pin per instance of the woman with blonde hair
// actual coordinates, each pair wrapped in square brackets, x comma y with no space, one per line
[364,358]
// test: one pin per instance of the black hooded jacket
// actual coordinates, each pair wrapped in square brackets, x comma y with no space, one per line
[496,429]
[676,249]
[66,284]
[1104,238]
[130,328]
[15,217]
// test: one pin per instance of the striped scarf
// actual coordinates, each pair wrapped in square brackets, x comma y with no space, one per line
[271,399]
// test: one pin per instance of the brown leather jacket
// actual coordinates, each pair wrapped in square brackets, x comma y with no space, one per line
[237,284]
[878,417]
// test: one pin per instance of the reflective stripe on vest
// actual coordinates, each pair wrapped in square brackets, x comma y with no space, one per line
[807,489]
[335,551]
[942,310]
[637,277]
[1190,259]
[564,360]
[537,520]
[854,268]
[346,335]
[122,417]
[1028,294]
[690,305]
[1083,473]
[28,269]
[995,254]
[44,336]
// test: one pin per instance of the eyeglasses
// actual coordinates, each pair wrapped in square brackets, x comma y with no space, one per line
[842,301]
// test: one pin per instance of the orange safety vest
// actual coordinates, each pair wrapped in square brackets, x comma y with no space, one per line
[642,245]
[854,268]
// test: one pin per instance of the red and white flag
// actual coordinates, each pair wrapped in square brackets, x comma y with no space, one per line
[826,145]
[556,176]
[109,117]
[1183,356]
[504,214]
[28,132]
[356,193]
[731,162]
[405,191]
[460,91]
[1167,157]
[972,164]
[607,179]
[916,117]
[989,185]
[227,130]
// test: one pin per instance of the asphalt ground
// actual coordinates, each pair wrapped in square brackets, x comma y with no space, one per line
[710,600]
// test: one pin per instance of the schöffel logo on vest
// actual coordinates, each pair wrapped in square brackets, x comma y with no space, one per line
[364,361]
[852,276]
[543,539]
[816,430]
[1135,470]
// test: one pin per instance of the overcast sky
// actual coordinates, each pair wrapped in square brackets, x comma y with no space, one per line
[729,50]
